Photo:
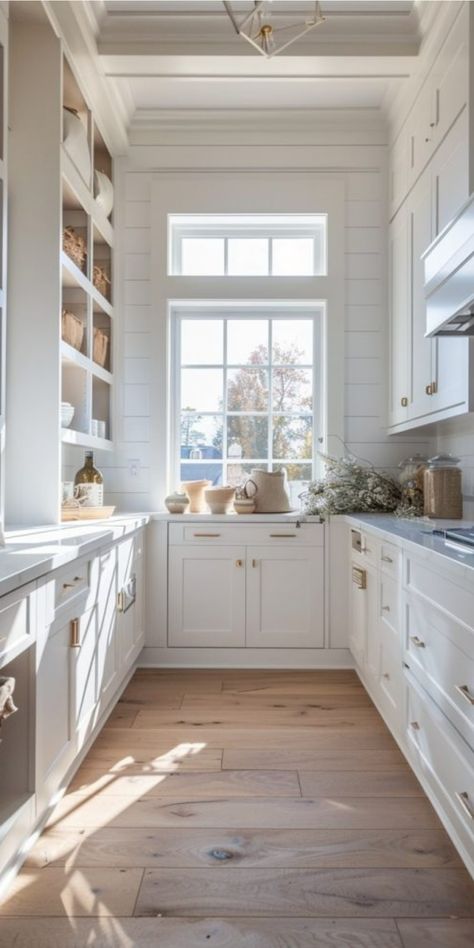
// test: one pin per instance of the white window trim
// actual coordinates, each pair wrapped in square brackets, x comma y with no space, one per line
[218,309]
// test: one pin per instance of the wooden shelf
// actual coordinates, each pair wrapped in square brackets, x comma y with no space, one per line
[73,276]
[85,198]
[83,440]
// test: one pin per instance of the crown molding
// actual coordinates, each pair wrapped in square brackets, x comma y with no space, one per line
[75,24]
[255,119]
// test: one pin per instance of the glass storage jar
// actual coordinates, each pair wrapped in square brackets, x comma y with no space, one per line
[411,479]
[442,488]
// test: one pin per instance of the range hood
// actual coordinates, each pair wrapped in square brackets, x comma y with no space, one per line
[449,277]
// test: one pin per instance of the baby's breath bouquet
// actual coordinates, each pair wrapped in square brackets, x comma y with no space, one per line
[349,486]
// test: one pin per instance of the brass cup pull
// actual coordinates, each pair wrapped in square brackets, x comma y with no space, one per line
[463,798]
[75,637]
[465,691]
[76,579]
[417,642]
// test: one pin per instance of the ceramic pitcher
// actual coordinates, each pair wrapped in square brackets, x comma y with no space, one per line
[271,495]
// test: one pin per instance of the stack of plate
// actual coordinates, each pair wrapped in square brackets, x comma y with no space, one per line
[67,414]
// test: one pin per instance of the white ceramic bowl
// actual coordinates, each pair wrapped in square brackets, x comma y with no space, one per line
[67,414]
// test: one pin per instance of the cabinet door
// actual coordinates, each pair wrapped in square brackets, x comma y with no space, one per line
[399,327]
[420,231]
[206,596]
[450,189]
[55,733]
[84,674]
[450,76]
[285,597]
[108,653]
[363,625]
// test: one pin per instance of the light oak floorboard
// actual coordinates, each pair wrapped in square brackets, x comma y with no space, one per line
[262,703]
[327,892]
[76,809]
[200,933]
[304,716]
[364,784]
[316,759]
[163,757]
[102,891]
[190,848]
[437,933]
[238,783]
[139,740]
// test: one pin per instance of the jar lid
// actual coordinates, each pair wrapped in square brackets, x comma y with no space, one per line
[444,460]
[415,459]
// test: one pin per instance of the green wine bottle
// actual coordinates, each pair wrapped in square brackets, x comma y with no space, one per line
[89,484]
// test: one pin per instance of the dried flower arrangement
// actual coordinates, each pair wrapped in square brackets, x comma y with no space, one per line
[351,487]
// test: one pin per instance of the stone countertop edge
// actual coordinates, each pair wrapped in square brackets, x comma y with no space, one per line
[417,535]
[33,552]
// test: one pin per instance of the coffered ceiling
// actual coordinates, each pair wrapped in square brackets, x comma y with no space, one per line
[162,58]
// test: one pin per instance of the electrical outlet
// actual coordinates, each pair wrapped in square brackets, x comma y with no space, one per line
[134,467]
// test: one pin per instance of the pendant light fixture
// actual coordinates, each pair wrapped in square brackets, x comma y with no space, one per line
[257,27]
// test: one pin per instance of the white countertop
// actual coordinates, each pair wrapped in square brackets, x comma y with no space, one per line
[31,552]
[419,533]
[292,517]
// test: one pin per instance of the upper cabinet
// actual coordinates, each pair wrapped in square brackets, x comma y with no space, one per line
[430,180]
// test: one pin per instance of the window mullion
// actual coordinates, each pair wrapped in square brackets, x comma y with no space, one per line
[270,395]
[226,256]
[270,256]
[224,415]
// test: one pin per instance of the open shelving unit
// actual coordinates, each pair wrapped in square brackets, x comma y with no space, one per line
[3,239]
[86,370]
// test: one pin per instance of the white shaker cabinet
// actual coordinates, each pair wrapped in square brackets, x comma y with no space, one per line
[398,258]
[55,735]
[130,597]
[284,597]
[206,596]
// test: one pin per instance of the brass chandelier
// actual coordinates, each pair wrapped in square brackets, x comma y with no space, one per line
[257,28]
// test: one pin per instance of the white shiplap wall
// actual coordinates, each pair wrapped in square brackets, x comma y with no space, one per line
[361,159]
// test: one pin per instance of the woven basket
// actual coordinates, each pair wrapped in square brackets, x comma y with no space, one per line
[100,349]
[72,329]
[75,246]
[100,280]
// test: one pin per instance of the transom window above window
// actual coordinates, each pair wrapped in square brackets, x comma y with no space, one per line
[247,394]
[247,245]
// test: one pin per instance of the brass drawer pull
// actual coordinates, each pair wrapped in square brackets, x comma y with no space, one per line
[415,725]
[386,559]
[359,577]
[417,642]
[282,536]
[385,608]
[254,564]
[463,798]
[465,691]
[207,535]
[75,637]
[404,401]
[386,675]
[77,579]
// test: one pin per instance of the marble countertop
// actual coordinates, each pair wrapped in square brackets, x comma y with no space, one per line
[421,532]
[292,517]
[31,552]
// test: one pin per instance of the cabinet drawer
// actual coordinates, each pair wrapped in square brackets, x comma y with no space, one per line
[226,534]
[440,653]
[390,558]
[443,756]
[391,683]
[70,583]
[15,620]
[440,590]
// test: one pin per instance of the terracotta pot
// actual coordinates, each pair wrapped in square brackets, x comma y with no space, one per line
[195,491]
[219,499]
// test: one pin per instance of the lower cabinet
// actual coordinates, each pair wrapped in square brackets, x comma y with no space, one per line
[90,629]
[284,597]
[207,596]
[264,590]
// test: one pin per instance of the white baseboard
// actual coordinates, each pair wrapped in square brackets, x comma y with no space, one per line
[229,658]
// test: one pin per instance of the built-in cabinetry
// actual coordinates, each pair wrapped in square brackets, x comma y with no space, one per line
[246,586]
[431,178]
[412,638]
[60,343]
[3,237]
[81,629]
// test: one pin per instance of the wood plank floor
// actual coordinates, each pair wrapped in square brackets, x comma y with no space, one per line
[242,808]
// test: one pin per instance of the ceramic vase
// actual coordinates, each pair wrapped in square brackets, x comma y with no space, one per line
[195,491]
